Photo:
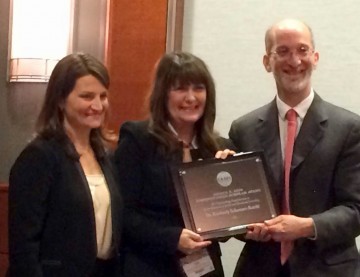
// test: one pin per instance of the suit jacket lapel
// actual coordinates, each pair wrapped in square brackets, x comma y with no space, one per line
[311,131]
[267,130]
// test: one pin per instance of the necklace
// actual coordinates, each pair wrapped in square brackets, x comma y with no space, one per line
[185,145]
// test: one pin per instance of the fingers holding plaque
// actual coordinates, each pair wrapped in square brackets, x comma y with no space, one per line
[220,198]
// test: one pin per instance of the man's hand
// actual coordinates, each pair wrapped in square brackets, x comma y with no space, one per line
[258,232]
[290,227]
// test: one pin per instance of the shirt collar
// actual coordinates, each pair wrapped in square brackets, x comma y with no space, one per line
[301,108]
[193,144]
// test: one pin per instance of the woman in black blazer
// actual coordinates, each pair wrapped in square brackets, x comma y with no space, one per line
[180,129]
[64,205]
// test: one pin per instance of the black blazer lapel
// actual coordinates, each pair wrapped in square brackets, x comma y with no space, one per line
[311,131]
[267,129]
[116,200]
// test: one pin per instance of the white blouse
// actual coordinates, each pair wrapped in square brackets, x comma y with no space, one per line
[102,209]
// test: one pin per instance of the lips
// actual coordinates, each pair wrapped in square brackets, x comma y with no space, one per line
[189,108]
[94,113]
[95,116]
[294,75]
[293,72]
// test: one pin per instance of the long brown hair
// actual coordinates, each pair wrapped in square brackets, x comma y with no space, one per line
[62,81]
[181,68]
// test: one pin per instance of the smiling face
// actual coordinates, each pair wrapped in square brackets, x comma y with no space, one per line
[186,105]
[183,94]
[291,58]
[86,105]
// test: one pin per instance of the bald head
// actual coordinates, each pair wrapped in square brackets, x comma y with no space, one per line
[283,25]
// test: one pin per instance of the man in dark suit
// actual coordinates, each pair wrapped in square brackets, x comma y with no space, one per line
[322,218]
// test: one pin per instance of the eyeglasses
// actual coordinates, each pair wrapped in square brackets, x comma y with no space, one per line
[301,52]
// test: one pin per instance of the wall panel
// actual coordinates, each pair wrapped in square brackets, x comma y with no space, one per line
[137,37]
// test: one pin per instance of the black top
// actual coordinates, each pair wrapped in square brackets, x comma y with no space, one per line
[153,221]
[51,215]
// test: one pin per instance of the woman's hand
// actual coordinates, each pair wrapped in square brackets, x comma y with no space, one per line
[223,154]
[189,242]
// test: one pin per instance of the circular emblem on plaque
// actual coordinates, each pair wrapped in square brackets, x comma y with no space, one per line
[224,178]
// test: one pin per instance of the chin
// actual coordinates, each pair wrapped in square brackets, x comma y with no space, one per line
[192,120]
[298,85]
[93,126]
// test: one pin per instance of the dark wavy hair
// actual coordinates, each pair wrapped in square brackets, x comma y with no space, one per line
[183,69]
[62,81]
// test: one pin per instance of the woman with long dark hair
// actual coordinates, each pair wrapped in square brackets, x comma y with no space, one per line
[65,209]
[180,129]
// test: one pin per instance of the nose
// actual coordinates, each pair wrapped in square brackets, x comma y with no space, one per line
[294,59]
[190,95]
[97,104]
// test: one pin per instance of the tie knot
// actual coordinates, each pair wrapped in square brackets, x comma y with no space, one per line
[291,115]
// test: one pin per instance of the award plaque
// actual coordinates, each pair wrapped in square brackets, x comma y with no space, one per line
[221,198]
